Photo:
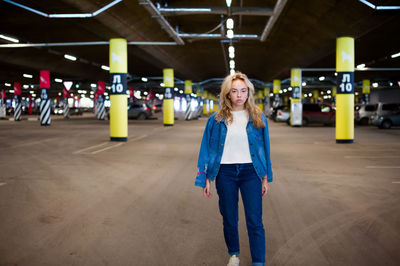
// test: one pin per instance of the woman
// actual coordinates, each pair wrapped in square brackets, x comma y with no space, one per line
[235,153]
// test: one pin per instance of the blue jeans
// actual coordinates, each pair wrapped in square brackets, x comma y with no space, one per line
[231,178]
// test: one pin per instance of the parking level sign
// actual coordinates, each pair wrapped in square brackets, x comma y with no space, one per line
[119,83]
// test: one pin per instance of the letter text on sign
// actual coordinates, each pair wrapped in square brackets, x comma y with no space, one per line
[345,81]
[119,83]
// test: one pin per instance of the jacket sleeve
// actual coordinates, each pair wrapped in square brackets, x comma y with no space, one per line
[267,150]
[203,155]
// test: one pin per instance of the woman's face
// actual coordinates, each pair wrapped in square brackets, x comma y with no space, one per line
[238,94]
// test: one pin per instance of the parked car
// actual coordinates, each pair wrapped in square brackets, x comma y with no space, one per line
[282,115]
[140,111]
[157,108]
[274,111]
[75,111]
[363,113]
[387,121]
[318,113]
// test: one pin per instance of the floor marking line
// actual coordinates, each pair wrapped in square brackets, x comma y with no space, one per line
[88,148]
[2,184]
[107,148]
[382,167]
[32,143]
[370,157]
[396,182]
[140,137]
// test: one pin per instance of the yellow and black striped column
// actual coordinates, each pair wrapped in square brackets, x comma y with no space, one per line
[188,92]
[276,89]
[168,101]
[366,89]
[296,110]
[118,97]
[345,90]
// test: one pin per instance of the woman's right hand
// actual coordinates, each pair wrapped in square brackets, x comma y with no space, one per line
[206,190]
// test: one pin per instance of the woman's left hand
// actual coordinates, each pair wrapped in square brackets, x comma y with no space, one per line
[264,186]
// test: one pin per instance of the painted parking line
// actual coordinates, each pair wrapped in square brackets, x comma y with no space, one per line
[107,148]
[396,182]
[382,167]
[370,157]
[2,184]
[91,147]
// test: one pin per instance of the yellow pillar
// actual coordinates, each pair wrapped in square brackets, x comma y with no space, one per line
[118,97]
[260,97]
[345,90]
[296,107]
[168,102]
[366,89]
[205,103]
[276,89]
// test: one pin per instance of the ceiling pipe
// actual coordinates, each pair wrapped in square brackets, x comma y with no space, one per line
[279,6]
[216,36]
[72,15]
[250,11]
[161,20]
[23,45]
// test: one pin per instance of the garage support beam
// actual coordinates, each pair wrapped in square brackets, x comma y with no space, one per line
[249,11]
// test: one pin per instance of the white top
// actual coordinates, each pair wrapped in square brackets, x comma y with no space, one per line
[236,148]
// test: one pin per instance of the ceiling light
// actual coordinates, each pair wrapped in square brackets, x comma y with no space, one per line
[8,38]
[7,84]
[284,90]
[361,66]
[335,74]
[229,34]
[181,91]
[375,84]
[231,55]
[70,57]
[232,64]
[29,76]
[58,80]
[304,83]
[310,94]
[290,89]
[329,91]
[144,79]
[280,91]
[176,89]
[26,86]
[322,78]
[395,55]
[228,3]
[105,67]
[232,72]
[93,85]
[229,23]
[231,49]
[367,3]
[271,94]
[356,93]
[162,85]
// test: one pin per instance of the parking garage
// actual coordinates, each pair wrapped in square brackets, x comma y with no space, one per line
[103,108]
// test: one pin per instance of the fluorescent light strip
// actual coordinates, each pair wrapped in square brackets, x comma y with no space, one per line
[58,80]
[105,67]
[367,3]
[8,38]
[70,57]
[387,7]
[29,76]
[395,55]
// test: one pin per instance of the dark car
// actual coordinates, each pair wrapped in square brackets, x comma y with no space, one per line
[318,113]
[157,108]
[75,111]
[387,121]
[139,111]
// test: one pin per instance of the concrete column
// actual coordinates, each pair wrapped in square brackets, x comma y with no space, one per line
[345,90]
[296,107]
[276,89]
[168,102]
[118,97]
[45,108]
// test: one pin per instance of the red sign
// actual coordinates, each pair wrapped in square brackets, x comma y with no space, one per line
[3,94]
[17,88]
[96,96]
[131,92]
[101,87]
[65,92]
[44,79]
[151,95]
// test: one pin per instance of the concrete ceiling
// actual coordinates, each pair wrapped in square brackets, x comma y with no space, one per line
[304,35]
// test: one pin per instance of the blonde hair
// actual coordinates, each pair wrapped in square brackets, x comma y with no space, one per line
[249,105]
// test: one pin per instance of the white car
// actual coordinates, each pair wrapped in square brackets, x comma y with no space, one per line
[282,115]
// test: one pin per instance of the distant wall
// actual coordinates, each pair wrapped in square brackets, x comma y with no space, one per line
[385,95]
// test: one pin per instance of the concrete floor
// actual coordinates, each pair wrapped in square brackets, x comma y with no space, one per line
[68,196]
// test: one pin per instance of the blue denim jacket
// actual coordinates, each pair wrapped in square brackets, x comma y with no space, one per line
[212,147]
